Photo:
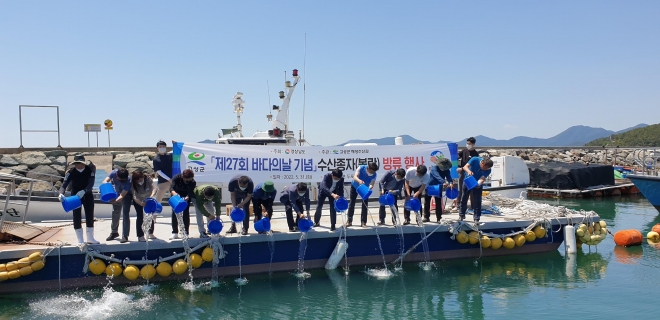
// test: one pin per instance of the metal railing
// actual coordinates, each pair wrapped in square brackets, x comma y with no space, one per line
[647,159]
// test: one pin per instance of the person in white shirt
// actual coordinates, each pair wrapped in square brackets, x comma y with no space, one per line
[416,180]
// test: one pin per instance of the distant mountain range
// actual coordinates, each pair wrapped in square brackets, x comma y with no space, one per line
[573,136]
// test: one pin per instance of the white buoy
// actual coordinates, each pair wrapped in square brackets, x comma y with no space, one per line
[569,239]
[337,254]
[398,141]
[571,265]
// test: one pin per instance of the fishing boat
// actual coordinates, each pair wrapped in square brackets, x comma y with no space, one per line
[648,179]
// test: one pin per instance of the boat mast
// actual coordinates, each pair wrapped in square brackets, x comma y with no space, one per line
[238,104]
[282,118]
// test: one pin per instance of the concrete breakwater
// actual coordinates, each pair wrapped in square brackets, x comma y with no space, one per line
[50,165]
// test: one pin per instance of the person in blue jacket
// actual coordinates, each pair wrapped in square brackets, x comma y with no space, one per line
[264,194]
[480,169]
[365,174]
[392,183]
[439,176]
[292,197]
[332,187]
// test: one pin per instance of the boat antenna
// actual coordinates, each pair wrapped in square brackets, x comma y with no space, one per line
[304,89]
[270,111]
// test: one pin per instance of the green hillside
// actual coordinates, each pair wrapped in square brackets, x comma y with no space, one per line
[642,137]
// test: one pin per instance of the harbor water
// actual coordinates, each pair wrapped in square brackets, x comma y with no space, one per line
[599,282]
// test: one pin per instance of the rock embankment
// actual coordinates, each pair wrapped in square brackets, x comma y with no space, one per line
[51,165]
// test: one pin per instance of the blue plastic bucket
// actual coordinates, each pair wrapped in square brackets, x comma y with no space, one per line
[150,205]
[341,204]
[107,192]
[262,225]
[454,172]
[177,204]
[215,226]
[237,215]
[433,190]
[386,200]
[159,208]
[364,191]
[413,204]
[451,193]
[71,203]
[305,225]
[470,182]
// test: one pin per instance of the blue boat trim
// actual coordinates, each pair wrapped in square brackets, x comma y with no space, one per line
[649,186]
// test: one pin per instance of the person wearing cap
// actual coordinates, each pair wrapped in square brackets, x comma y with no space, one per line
[264,194]
[121,206]
[331,187]
[81,178]
[439,175]
[392,183]
[416,180]
[241,188]
[365,174]
[292,197]
[183,185]
[208,199]
[480,169]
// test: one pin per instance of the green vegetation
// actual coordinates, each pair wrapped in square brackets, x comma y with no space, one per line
[643,137]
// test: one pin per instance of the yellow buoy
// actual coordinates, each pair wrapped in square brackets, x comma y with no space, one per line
[14,274]
[530,236]
[485,242]
[97,266]
[37,266]
[4,276]
[23,262]
[602,223]
[462,237]
[495,243]
[603,232]
[180,266]
[35,257]
[207,254]
[3,267]
[653,236]
[11,266]
[473,237]
[508,243]
[131,272]
[164,269]
[519,239]
[148,272]
[113,270]
[540,231]
[26,271]
[578,232]
[196,260]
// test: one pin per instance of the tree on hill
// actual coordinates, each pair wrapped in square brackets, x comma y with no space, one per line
[643,137]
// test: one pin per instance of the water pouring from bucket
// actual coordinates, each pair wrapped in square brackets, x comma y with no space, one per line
[305,225]
[107,192]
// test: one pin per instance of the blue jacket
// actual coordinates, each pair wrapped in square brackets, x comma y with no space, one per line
[389,183]
[362,174]
[438,176]
[290,195]
[263,195]
[326,184]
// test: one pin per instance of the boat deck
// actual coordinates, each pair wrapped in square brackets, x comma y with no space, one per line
[63,231]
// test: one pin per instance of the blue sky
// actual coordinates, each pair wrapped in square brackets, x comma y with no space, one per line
[436,70]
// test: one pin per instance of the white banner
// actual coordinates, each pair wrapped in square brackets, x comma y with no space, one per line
[218,163]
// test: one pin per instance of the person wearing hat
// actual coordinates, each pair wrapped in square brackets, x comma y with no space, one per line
[121,206]
[81,178]
[331,187]
[241,188]
[208,199]
[264,194]
[439,176]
